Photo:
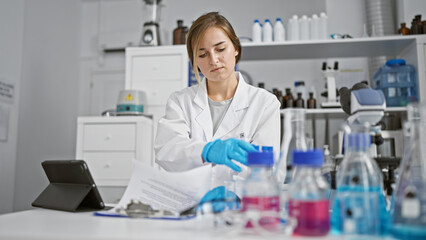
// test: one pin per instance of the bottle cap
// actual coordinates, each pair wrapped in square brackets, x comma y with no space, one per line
[395,62]
[256,147]
[267,148]
[278,19]
[265,158]
[256,20]
[313,157]
[267,20]
[359,140]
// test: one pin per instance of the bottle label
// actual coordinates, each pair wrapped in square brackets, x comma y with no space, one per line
[313,218]
[410,208]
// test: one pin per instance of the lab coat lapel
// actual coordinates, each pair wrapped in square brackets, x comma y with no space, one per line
[236,112]
[204,119]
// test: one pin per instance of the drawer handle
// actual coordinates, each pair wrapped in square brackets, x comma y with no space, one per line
[108,137]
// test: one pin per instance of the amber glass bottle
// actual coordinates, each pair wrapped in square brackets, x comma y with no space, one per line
[311,102]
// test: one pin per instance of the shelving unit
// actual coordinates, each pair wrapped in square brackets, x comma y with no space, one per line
[411,48]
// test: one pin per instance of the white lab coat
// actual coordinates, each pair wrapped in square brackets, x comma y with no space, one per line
[182,133]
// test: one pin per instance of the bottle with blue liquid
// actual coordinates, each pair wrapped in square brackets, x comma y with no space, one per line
[408,206]
[359,206]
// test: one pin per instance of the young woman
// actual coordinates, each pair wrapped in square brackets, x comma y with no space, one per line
[216,121]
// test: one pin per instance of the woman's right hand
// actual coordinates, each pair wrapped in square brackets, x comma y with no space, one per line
[224,151]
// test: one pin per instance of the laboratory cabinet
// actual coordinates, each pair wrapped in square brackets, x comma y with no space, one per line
[157,71]
[109,145]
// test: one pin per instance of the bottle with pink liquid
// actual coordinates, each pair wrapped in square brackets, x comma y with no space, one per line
[308,203]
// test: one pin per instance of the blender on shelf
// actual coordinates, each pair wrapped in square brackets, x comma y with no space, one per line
[150,30]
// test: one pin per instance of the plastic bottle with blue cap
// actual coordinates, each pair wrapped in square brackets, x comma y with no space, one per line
[398,82]
[256,31]
[267,31]
[359,206]
[279,31]
[308,196]
[261,192]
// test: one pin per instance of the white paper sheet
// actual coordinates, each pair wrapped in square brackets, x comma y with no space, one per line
[173,191]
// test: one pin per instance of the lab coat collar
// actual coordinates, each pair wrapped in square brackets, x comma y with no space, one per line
[232,117]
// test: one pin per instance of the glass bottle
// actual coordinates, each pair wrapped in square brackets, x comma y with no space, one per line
[408,206]
[261,203]
[288,100]
[293,139]
[299,103]
[179,33]
[404,30]
[311,102]
[308,200]
[359,206]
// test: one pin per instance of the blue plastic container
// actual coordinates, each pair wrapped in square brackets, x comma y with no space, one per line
[398,82]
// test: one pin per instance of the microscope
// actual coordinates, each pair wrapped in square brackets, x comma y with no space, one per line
[367,106]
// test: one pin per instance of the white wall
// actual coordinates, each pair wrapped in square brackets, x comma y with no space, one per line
[48,102]
[11,31]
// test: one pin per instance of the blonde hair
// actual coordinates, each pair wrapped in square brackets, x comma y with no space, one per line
[197,30]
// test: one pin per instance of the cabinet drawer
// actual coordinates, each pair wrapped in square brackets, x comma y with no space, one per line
[154,67]
[109,137]
[110,167]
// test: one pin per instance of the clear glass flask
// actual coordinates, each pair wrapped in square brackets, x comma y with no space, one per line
[359,206]
[408,206]
[293,139]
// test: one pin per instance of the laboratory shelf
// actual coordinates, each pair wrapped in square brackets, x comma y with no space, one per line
[332,48]
[338,112]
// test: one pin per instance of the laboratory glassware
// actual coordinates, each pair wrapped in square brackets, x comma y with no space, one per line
[308,198]
[408,207]
[359,206]
[261,203]
[293,139]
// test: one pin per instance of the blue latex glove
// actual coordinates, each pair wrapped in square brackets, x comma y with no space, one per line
[219,199]
[221,152]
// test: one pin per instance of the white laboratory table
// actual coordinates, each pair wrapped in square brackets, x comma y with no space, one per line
[43,224]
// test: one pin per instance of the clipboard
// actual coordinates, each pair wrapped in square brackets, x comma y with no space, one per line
[71,187]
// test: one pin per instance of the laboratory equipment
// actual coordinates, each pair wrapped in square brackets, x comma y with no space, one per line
[323,23]
[151,28]
[398,82]
[404,30]
[131,102]
[304,28]
[267,31]
[311,102]
[408,207]
[179,33]
[256,31]
[328,169]
[308,200]
[314,27]
[279,31]
[330,76]
[293,29]
[293,139]
[299,103]
[359,206]
[288,100]
[261,203]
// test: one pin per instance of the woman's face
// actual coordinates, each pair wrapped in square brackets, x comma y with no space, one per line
[216,55]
